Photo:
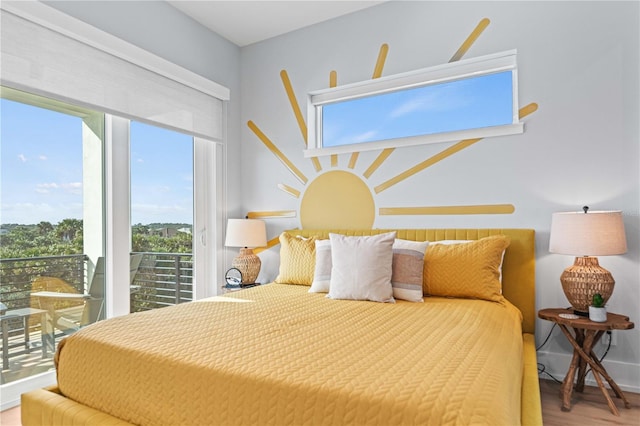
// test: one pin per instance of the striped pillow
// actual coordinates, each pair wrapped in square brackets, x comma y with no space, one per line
[407,269]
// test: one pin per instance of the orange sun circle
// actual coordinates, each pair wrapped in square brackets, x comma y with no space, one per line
[337,200]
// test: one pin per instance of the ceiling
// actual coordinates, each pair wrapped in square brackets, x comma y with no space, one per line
[247,22]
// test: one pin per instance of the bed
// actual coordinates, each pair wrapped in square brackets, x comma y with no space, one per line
[277,354]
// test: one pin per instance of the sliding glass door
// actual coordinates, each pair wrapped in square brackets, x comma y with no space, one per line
[162,206]
[51,228]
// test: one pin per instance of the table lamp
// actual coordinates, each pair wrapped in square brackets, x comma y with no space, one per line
[585,235]
[248,234]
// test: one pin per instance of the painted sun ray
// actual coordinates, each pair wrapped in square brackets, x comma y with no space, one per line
[482,25]
[382,57]
[333,82]
[449,210]
[271,243]
[353,160]
[333,78]
[523,112]
[457,56]
[271,214]
[377,73]
[298,114]
[289,190]
[274,149]
[378,162]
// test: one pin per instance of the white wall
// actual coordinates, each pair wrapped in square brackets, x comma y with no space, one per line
[578,60]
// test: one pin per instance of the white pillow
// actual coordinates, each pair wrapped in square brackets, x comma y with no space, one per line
[322,273]
[407,269]
[361,267]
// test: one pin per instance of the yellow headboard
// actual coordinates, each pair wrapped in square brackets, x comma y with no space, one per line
[518,268]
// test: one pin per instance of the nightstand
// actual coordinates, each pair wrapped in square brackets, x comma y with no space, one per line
[586,334]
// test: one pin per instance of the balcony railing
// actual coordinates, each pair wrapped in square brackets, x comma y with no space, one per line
[17,275]
[162,279]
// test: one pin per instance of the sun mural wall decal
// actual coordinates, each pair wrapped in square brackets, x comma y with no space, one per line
[339,199]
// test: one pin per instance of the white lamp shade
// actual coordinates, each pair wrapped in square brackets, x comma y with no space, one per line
[246,233]
[596,233]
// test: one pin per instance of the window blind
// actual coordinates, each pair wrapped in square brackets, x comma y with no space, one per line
[39,57]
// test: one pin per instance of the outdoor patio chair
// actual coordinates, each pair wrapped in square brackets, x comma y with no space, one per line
[69,309]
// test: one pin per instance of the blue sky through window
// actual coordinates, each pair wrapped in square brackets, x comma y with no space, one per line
[161,175]
[41,168]
[475,102]
[41,159]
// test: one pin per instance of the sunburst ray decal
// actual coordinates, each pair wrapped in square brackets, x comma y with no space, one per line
[265,140]
[382,57]
[333,82]
[271,243]
[271,214]
[449,210]
[289,190]
[298,114]
[484,23]
[353,159]
[523,112]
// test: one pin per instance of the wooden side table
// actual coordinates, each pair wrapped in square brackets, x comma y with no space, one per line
[586,334]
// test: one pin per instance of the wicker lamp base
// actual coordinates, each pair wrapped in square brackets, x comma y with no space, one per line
[584,279]
[248,264]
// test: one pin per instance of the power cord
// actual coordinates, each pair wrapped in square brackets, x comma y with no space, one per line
[605,352]
[541,367]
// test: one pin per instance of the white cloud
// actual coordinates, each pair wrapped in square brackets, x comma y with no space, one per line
[42,157]
[51,185]
[366,136]
[71,187]
[22,158]
[140,160]
[437,99]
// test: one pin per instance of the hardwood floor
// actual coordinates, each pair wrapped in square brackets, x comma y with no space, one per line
[588,409]
[10,417]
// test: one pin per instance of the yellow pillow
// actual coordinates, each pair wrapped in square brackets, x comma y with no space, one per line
[297,260]
[469,270]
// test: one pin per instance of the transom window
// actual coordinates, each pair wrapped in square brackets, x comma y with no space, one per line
[460,100]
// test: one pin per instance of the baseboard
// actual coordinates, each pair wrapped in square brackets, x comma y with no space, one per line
[626,375]
[11,391]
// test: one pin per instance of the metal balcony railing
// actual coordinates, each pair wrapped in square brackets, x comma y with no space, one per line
[17,275]
[162,279]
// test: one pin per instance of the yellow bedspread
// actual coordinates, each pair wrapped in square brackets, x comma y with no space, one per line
[276,354]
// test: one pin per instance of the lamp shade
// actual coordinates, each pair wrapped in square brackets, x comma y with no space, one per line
[246,233]
[596,233]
